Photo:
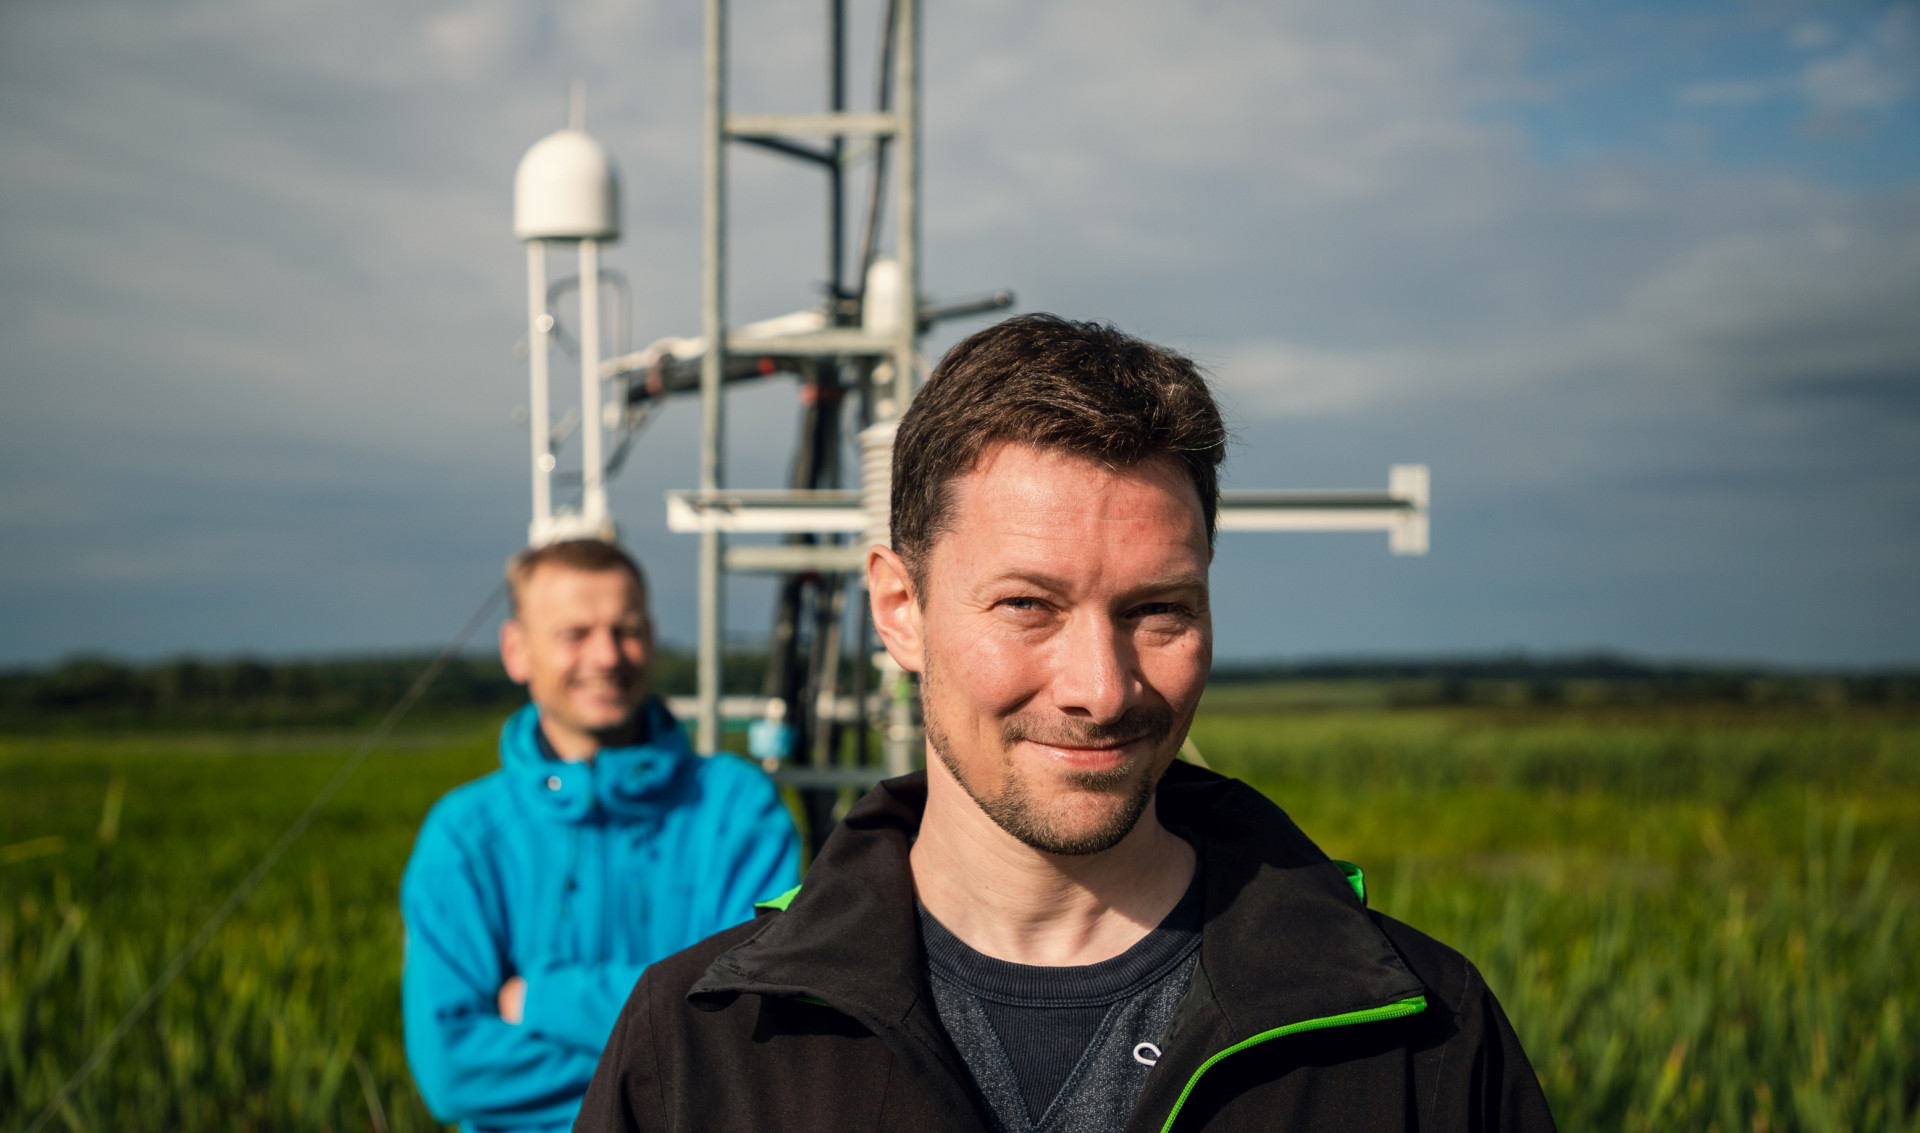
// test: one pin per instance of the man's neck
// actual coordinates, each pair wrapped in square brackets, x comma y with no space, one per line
[1012,902]
[573,745]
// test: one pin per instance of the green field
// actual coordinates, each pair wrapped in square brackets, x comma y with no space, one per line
[1698,918]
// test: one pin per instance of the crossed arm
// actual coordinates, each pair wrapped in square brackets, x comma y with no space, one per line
[469,1060]
[489,1037]
[512,999]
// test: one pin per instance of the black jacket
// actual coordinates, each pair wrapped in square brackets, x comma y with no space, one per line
[1307,1011]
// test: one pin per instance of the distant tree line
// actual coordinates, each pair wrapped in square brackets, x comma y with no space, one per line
[1593,679]
[252,692]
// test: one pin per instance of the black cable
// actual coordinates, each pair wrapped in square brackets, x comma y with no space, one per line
[870,231]
[259,872]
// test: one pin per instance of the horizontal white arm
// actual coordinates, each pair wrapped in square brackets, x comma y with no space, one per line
[1401,511]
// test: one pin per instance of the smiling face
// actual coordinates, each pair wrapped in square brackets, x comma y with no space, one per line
[1063,636]
[581,642]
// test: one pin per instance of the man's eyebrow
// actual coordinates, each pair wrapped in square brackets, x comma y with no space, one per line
[1180,581]
[1016,574]
[1165,583]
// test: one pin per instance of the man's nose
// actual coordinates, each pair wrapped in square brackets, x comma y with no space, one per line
[1094,670]
[603,650]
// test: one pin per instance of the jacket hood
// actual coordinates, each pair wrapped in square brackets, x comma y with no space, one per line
[620,782]
[1285,935]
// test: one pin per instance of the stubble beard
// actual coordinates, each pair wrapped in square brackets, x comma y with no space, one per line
[621,720]
[1014,807]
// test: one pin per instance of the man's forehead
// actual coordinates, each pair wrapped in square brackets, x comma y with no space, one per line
[550,583]
[1029,511]
[1022,482]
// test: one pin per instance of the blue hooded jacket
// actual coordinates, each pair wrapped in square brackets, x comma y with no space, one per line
[575,877]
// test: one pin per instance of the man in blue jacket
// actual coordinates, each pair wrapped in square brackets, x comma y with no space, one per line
[537,895]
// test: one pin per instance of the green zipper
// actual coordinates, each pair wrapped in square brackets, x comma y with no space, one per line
[781,902]
[1398,1010]
[1356,877]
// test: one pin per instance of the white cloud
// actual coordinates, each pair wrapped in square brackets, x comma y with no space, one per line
[473,40]
[1869,71]
[1874,74]
[1809,34]
[1861,79]
[1826,306]
[1725,92]
[237,232]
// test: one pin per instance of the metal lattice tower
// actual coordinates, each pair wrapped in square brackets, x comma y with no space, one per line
[862,344]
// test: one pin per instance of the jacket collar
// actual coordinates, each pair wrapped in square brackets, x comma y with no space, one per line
[1285,939]
[624,783]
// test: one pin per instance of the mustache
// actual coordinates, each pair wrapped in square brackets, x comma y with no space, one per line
[1144,722]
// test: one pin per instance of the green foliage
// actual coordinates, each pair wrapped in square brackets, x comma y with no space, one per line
[114,849]
[1704,1003]
[100,693]
[1698,918]
[94,694]
[1573,681]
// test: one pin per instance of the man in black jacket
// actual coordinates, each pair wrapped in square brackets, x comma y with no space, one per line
[1056,928]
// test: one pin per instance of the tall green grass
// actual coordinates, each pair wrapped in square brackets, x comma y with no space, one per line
[1697,918]
[290,1019]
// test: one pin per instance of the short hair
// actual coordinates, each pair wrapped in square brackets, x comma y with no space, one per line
[1082,388]
[592,555]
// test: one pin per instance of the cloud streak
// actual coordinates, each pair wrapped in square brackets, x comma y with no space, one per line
[263,299]
[1826,309]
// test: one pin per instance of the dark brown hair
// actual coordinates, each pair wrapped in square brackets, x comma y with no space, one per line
[590,555]
[1080,388]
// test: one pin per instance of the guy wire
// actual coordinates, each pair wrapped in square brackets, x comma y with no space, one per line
[273,855]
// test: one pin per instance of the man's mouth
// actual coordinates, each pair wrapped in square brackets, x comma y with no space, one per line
[1083,746]
[602,687]
[1080,756]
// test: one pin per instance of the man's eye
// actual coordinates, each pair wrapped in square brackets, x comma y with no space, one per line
[1023,603]
[1161,610]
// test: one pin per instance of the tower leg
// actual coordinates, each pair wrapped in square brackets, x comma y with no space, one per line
[593,497]
[539,417]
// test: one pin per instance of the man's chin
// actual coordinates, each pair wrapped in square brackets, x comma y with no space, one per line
[603,719]
[1088,813]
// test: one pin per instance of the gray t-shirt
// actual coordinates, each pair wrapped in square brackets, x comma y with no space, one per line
[1063,1050]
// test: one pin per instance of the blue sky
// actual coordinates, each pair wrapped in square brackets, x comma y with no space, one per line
[1638,281]
[1823,91]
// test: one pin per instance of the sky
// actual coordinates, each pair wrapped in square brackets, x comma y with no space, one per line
[1639,281]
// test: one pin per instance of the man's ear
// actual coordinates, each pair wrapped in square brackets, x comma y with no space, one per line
[513,652]
[896,608]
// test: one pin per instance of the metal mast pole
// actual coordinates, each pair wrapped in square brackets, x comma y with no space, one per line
[713,366]
[593,469]
[836,172]
[907,113]
[899,749]
[539,422]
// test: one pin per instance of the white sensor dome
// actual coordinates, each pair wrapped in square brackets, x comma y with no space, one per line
[566,189]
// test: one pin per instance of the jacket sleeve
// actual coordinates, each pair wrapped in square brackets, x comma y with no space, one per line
[578,1003]
[470,1064]
[627,1095]
[752,852]
[757,850]
[1505,1092]
[1471,1073]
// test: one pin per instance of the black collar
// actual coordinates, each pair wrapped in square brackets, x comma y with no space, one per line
[1285,939]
